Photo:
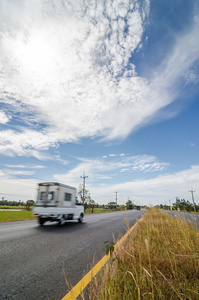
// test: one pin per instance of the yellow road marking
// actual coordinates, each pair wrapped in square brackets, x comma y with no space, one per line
[81,285]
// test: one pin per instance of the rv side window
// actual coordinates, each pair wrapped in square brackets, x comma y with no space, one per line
[67,197]
[42,195]
[51,196]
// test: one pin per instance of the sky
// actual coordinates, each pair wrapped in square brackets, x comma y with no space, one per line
[105,89]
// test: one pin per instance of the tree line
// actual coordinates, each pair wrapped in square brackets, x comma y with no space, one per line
[183,205]
[26,204]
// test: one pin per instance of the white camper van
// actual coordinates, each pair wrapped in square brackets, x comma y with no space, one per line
[57,202]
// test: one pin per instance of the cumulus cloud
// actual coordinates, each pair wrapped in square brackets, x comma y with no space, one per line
[66,65]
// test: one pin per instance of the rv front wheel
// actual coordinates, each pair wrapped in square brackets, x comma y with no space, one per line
[80,218]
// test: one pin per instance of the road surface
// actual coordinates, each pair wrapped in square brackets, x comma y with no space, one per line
[35,260]
[188,217]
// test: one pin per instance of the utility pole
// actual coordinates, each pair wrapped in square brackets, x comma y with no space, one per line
[84,178]
[178,208]
[193,199]
[116,199]
[170,204]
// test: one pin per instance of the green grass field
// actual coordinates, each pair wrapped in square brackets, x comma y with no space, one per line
[8,216]
[12,207]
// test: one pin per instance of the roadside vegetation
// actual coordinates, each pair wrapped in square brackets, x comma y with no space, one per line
[5,204]
[160,260]
[182,205]
[9,213]
[8,216]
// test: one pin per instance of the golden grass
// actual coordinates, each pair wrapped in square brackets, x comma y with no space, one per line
[160,260]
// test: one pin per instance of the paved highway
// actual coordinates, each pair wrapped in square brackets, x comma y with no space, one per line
[188,217]
[34,260]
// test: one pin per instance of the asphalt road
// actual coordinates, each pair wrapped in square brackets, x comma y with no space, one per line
[188,217]
[35,260]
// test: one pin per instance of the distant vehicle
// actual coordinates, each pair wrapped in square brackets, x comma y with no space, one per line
[138,207]
[57,202]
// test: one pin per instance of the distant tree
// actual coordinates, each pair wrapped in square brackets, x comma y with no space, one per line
[29,203]
[86,198]
[185,205]
[129,204]
[112,205]
[83,193]
[91,204]
[10,203]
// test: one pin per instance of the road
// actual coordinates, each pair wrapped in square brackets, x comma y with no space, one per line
[35,260]
[188,217]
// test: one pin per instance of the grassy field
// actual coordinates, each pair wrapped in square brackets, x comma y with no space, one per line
[12,207]
[8,216]
[160,260]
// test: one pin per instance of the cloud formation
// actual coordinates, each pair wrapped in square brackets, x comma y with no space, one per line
[112,166]
[156,190]
[66,72]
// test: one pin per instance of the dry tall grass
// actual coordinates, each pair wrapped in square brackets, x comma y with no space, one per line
[160,260]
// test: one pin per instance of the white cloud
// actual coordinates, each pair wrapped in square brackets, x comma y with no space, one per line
[98,169]
[15,190]
[25,143]
[152,191]
[59,63]
[25,173]
[3,117]
[63,161]
[66,65]
[25,166]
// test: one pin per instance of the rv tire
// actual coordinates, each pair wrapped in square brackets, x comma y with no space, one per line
[61,220]
[80,218]
[41,221]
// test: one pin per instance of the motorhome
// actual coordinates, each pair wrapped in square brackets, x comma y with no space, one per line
[57,202]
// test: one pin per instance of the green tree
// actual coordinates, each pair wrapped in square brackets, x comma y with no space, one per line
[112,205]
[29,203]
[183,204]
[129,204]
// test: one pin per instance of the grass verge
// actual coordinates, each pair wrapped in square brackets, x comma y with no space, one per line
[100,210]
[160,260]
[8,216]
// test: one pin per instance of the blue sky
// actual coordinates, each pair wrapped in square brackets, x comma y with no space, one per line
[109,88]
